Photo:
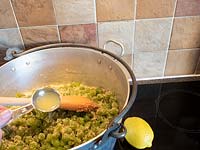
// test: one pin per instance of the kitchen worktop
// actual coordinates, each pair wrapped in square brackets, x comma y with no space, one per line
[176,99]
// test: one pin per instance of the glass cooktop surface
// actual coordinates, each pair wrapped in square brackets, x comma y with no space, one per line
[172,110]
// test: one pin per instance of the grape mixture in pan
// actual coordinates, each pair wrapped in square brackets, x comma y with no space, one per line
[61,129]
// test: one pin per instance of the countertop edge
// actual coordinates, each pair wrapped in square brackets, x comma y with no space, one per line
[167,79]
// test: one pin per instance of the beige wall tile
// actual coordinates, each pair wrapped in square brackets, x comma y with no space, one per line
[122,32]
[182,62]
[128,58]
[152,35]
[7,19]
[108,10]
[155,8]
[37,36]
[149,64]
[83,34]
[75,12]
[10,38]
[186,33]
[188,8]
[34,12]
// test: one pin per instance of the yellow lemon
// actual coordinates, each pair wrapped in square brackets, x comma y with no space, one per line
[139,133]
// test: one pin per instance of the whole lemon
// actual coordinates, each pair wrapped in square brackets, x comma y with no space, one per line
[139,133]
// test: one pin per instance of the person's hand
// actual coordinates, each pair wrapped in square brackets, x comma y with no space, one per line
[5,116]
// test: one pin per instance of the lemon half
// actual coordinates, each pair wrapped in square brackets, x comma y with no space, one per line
[139,133]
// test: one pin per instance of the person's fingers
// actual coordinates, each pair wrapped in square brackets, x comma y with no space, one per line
[5,117]
[2,108]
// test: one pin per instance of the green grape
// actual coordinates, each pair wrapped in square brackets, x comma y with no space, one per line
[55,142]
[61,129]
[65,137]
[49,137]
[41,136]
[33,144]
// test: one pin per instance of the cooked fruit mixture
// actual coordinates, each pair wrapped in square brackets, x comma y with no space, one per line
[61,129]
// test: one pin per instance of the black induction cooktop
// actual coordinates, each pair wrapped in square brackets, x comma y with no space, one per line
[173,111]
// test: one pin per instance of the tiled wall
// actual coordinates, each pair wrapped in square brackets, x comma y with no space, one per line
[161,37]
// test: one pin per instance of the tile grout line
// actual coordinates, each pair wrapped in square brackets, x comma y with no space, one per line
[134,28]
[20,34]
[172,50]
[185,49]
[97,36]
[171,30]
[78,24]
[95,12]
[97,25]
[40,26]
[149,19]
[160,18]
[198,64]
[187,16]
[58,31]
[8,28]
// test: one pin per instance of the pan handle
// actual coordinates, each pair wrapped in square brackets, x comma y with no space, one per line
[117,43]
[117,130]
[10,52]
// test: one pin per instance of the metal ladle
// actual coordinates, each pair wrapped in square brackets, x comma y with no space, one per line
[37,95]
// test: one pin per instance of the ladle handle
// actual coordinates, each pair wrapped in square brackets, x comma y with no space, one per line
[13,101]
[21,111]
[18,112]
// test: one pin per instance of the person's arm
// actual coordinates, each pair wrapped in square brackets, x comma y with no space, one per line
[5,116]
